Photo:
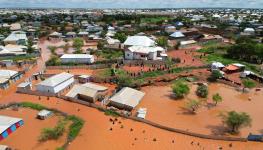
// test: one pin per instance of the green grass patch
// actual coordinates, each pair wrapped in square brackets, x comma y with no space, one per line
[19,58]
[32,106]
[109,54]
[53,133]
[75,127]
[220,58]
[111,113]
[154,19]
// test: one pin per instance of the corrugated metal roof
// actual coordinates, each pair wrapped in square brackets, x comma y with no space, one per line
[128,96]
[16,35]
[177,34]
[56,79]
[76,56]
[7,73]
[88,89]
[139,41]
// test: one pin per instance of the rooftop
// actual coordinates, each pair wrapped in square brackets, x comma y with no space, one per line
[77,56]
[139,41]
[56,79]
[6,122]
[128,96]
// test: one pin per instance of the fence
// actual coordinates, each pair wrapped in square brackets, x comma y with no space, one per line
[94,66]
[149,62]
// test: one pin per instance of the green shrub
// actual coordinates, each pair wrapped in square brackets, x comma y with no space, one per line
[53,133]
[111,113]
[180,89]
[249,83]
[202,91]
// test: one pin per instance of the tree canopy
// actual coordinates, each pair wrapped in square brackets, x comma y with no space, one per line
[202,91]
[193,105]
[162,41]
[235,120]
[248,83]
[120,36]
[180,89]
[217,98]
[77,44]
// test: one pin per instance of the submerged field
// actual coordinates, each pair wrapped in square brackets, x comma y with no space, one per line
[26,137]
[164,109]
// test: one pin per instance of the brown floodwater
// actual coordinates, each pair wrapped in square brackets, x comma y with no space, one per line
[96,133]
[162,108]
[26,137]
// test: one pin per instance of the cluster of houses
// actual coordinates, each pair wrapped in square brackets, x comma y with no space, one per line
[7,77]
[236,68]
[65,83]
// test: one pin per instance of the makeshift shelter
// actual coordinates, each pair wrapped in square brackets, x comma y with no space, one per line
[217,66]
[9,125]
[141,113]
[44,114]
[232,68]
[127,98]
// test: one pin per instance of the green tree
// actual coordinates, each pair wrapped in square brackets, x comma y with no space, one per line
[193,105]
[120,36]
[180,89]
[124,81]
[77,44]
[217,98]
[162,41]
[202,91]
[30,48]
[235,120]
[53,61]
[248,83]
[52,49]
[101,45]
[216,74]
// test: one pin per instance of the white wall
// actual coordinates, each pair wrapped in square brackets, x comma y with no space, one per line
[78,60]
[56,89]
[152,55]
[128,55]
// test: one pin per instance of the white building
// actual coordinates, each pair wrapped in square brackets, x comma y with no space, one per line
[56,83]
[144,53]
[77,58]
[139,41]
[249,31]
[16,37]
[127,98]
[142,48]
[177,35]
[10,50]
[88,92]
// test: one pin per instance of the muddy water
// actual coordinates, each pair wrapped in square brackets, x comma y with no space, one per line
[165,110]
[26,137]
[96,133]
